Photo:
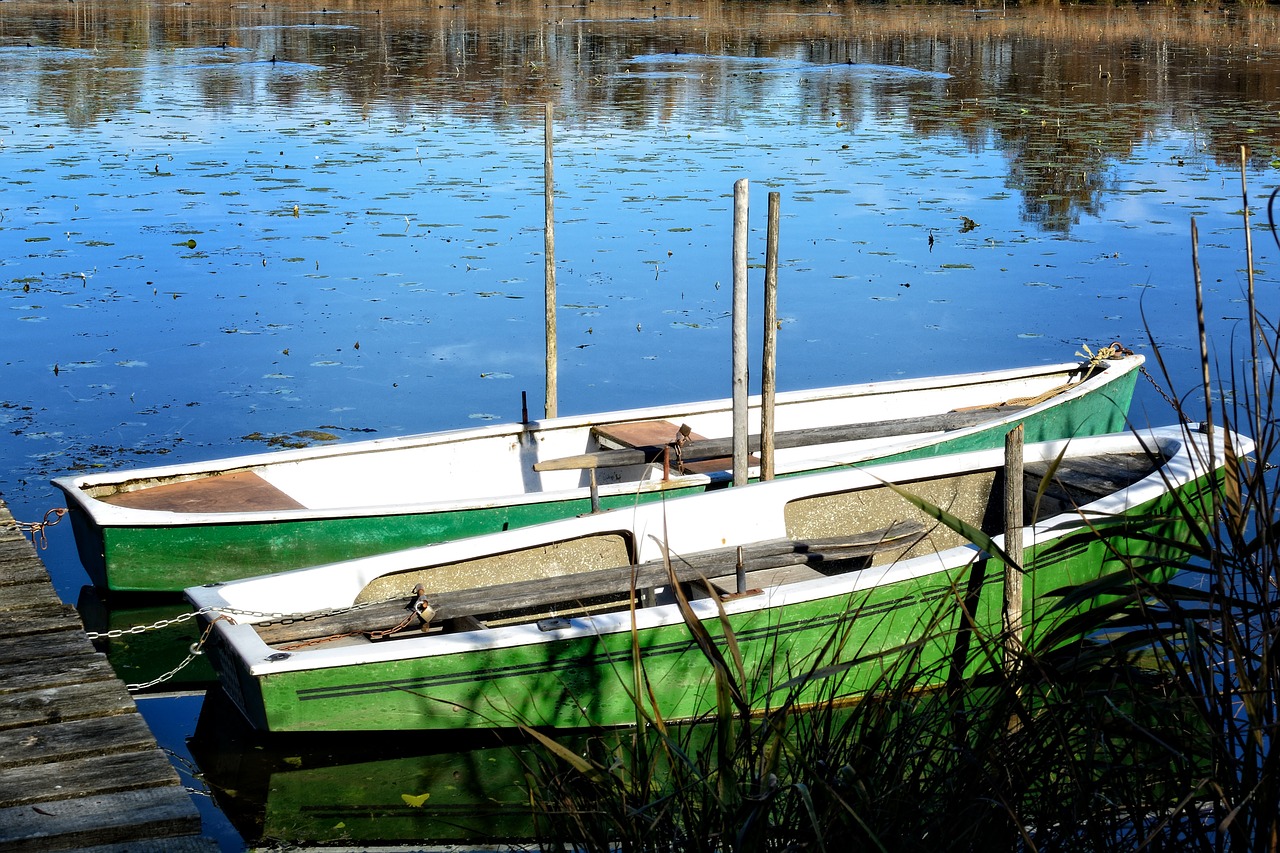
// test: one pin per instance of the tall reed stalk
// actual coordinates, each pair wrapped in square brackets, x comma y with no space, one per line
[1157,731]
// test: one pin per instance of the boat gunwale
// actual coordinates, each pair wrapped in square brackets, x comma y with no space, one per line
[1183,466]
[106,515]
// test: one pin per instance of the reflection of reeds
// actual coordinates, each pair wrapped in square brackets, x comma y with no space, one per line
[521,52]
[1027,77]
[1155,731]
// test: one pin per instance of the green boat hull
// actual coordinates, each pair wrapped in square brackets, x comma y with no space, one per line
[802,653]
[172,557]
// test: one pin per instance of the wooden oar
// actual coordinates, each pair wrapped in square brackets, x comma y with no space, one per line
[714,448]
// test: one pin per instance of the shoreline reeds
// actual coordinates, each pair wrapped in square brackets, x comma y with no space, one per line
[1157,730]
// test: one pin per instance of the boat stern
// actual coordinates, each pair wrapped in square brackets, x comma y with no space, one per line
[87,532]
[234,674]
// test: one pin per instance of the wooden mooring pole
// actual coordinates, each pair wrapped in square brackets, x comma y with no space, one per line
[1013,521]
[549,263]
[740,461]
[768,373]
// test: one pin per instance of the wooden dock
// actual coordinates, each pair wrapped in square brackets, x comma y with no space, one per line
[79,768]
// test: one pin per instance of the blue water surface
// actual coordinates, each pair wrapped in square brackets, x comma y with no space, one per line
[224,226]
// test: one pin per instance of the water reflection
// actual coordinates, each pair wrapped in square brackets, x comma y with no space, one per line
[1061,91]
[464,788]
[148,640]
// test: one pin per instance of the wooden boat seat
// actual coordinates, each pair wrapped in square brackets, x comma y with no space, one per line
[236,491]
[639,434]
[512,599]
[618,449]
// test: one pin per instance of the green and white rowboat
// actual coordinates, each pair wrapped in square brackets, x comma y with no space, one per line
[545,625]
[170,527]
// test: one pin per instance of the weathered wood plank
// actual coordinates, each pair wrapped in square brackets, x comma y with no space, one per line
[717,447]
[69,727]
[760,579]
[69,702]
[41,618]
[618,580]
[74,739]
[99,819]
[1089,478]
[658,434]
[89,774]
[36,674]
[52,648]
[187,844]
[9,531]
[644,433]
[19,565]
[241,491]
[23,596]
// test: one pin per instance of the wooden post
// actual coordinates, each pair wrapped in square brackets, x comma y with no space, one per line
[768,372]
[740,332]
[549,264]
[1013,521]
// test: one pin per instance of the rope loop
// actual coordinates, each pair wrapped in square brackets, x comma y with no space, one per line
[1113,350]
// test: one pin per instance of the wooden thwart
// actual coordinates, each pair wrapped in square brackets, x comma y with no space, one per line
[716,448]
[659,435]
[594,584]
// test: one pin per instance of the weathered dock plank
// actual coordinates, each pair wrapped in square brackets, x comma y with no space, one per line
[33,674]
[85,775]
[61,704]
[116,818]
[40,618]
[79,769]
[71,740]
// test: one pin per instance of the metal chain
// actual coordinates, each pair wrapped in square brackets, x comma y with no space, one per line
[197,649]
[282,618]
[1182,416]
[115,633]
[36,529]
[224,614]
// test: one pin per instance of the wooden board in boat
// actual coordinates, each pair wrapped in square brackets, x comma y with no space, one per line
[242,491]
[641,434]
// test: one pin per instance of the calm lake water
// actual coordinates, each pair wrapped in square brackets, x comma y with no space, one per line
[228,226]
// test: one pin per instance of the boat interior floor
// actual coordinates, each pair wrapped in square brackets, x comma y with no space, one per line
[234,491]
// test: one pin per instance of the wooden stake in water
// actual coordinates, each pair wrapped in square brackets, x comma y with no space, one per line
[1254,332]
[740,332]
[1206,384]
[1013,513]
[768,373]
[549,270]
